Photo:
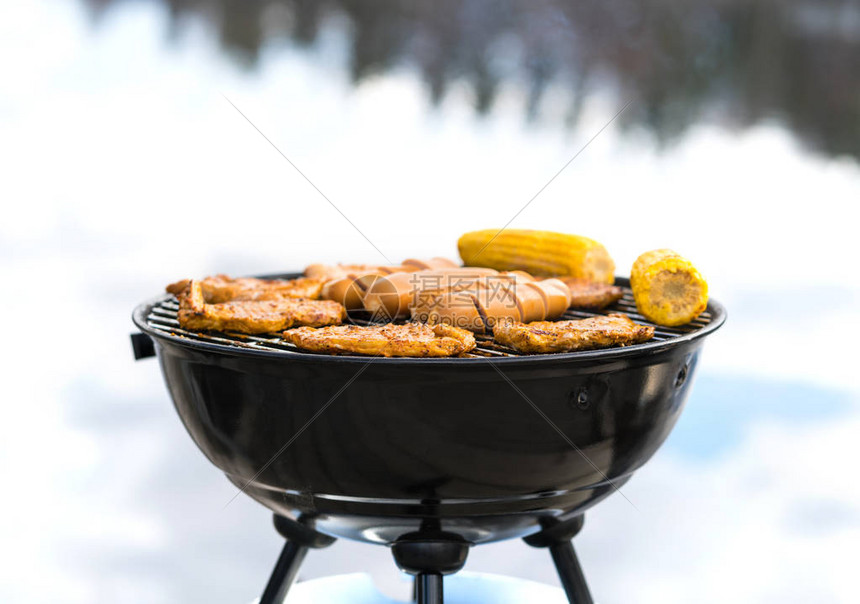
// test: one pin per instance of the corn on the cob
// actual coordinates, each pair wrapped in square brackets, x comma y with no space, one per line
[539,253]
[667,288]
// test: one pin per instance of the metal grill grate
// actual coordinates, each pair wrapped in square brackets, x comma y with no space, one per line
[162,317]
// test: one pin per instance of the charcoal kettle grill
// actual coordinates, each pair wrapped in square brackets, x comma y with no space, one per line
[429,457]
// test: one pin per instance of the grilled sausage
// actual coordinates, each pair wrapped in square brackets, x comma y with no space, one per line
[488,302]
[432,264]
[392,295]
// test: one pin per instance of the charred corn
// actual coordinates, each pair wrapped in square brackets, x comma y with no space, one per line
[667,288]
[541,253]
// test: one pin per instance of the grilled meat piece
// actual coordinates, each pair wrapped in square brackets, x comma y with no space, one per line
[222,288]
[591,295]
[566,336]
[253,315]
[390,340]
[330,272]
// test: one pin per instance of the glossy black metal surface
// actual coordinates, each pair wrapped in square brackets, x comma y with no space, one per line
[430,553]
[400,442]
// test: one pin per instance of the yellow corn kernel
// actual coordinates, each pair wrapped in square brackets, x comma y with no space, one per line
[542,253]
[667,288]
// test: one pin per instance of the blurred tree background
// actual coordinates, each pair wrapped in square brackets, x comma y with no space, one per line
[736,62]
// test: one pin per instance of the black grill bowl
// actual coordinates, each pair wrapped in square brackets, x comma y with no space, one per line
[402,444]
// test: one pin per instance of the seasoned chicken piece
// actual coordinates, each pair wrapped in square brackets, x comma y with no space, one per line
[389,340]
[591,295]
[566,336]
[222,288]
[253,316]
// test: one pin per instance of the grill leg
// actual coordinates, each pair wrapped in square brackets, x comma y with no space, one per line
[557,537]
[428,588]
[300,537]
[570,573]
[284,573]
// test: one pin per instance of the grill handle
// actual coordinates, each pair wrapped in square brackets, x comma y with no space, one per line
[142,345]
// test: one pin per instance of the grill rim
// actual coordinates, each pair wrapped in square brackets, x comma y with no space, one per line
[715,308]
